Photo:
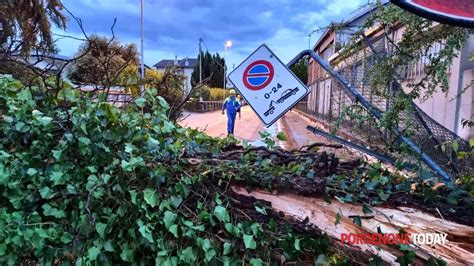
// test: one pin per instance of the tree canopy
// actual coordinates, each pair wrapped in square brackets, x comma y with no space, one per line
[101,61]
[418,39]
[300,69]
[27,24]
[83,182]
[212,66]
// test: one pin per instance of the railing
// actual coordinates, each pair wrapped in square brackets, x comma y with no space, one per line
[116,96]
[346,100]
[203,106]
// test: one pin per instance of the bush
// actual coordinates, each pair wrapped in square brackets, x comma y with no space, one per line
[218,94]
[80,180]
[211,94]
[85,182]
[203,92]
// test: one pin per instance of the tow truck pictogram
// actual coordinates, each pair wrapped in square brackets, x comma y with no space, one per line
[270,110]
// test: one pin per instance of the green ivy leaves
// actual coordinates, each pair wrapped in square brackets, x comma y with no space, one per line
[114,186]
[150,197]
[100,228]
[48,210]
[249,242]
[227,248]
[140,102]
[169,221]
[22,127]
[222,214]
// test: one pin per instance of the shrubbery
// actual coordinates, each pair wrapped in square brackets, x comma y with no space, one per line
[202,92]
[218,94]
[82,178]
[84,181]
[211,94]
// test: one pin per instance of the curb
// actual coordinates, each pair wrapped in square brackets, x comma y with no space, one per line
[290,142]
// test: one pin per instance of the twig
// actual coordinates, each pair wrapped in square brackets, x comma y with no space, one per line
[361,217]
[318,144]
[86,206]
[439,213]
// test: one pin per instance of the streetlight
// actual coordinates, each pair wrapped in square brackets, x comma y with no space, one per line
[226,44]
[142,67]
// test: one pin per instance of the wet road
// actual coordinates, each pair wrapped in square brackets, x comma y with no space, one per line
[215,124]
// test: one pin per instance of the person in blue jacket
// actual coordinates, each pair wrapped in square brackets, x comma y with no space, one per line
[232,106]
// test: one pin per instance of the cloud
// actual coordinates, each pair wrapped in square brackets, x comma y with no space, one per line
[173,27]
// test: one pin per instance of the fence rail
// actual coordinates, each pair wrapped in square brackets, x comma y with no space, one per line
[203,106]
[344,100]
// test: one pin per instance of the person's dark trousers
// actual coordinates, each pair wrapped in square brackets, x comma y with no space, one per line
[230,123]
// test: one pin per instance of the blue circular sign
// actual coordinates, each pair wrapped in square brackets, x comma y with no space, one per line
[258,75]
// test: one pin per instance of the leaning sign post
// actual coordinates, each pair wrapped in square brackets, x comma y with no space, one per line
[267,85]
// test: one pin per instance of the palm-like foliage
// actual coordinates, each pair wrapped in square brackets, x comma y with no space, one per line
[27,24]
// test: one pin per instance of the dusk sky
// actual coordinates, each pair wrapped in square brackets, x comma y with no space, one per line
[173,27]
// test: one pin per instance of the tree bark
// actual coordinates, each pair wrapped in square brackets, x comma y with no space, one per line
[458,249]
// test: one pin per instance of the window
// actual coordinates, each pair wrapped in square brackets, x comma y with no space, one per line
[416,69]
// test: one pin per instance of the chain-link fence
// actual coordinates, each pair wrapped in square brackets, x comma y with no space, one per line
[344,102]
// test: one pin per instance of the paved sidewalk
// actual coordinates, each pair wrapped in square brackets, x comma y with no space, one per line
[294,126]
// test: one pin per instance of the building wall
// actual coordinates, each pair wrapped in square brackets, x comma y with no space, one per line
[440,106]
[187,73]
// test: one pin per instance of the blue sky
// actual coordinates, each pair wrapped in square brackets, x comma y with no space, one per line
[173,27]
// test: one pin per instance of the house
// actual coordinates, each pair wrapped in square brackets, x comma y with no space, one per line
[326,102]
[145,68]
[185,66]
[51,63]
[44,63]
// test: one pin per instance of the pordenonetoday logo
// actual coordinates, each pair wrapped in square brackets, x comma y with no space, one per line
[391,239]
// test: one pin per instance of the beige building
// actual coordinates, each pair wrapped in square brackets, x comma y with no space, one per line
[448,109]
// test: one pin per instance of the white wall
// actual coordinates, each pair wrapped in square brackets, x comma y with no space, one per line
[186,72]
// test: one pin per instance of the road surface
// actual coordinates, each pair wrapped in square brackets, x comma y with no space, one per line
[215,124]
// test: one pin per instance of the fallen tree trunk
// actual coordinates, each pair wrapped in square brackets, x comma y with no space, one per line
[302,197]
[458,250]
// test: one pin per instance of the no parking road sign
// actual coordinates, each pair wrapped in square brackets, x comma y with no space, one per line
[258,75]
[269,87]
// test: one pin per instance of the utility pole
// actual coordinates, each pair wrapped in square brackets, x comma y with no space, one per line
[200,69]
[309,37]
[142,66]
[226,44]
[225,51]
[200,61]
